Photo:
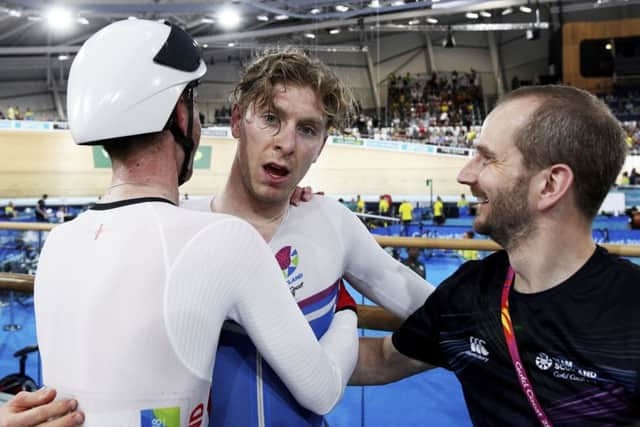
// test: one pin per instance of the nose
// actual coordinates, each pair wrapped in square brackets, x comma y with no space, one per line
[469,172]
[285,139]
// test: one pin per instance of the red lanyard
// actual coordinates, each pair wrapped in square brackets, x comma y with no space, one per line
[509,335]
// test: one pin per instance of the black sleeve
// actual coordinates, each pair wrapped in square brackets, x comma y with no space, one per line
[420,335]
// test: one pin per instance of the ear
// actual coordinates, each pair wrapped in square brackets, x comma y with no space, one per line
[236,118]
[182,115]
[551,185]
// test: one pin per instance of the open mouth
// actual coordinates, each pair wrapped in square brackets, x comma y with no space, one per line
[276,170]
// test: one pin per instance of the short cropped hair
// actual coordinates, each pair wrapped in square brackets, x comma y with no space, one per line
[573,127]
[290,66]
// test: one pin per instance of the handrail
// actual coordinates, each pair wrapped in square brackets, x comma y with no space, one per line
[17,282]
[369,317]
[26,226]
[402,242]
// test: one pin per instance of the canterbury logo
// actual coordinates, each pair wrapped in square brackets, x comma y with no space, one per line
[478,346]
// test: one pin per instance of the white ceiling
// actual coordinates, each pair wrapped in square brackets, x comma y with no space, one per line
[27,45]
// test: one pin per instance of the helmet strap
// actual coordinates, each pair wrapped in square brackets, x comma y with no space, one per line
[186,141]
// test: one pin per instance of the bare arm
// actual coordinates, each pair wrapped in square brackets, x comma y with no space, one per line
[380,363]
[39,409]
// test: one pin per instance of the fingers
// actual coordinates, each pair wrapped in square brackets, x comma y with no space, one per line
[41,414]
[307,194]
[296,196]
[303,194]
[72,419]
[25,399]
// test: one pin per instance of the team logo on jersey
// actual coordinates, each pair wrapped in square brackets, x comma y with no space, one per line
[566,369]
[478,349]
[160,417]
[543,361]
[288,260]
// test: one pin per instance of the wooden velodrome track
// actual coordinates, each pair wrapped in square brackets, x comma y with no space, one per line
[369,317]
[48,162]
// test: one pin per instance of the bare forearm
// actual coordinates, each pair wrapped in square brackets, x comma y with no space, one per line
[370,362]
[380,363]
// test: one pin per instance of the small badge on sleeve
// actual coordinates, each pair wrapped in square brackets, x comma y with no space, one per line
[160,417]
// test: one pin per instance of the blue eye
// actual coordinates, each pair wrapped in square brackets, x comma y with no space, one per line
[270,118]
[308,131]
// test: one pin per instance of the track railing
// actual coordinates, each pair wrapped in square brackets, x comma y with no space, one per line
[369,317]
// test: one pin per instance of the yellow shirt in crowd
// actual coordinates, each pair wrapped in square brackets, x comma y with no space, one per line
[406,211]
[438,206]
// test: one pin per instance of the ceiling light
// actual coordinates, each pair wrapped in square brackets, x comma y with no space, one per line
[281,17]
[63,57]
[432,20]
[485,14]
[310,35]
[506,11]
[398,3]
[342,8]
[207,21]
[82,20]
[15,13]
[472,15]
[608,46]
[314,11]
[228,19]
[35,18]
[525,9]
[334,31]
[263,18]
[374,4]
[414,22]
[231,44]
[204,46]
[59,18]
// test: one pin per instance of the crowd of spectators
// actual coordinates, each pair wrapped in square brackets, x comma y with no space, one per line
[416,103]
[440,109]
[629,178]
[632,129]
[625,104]
[14,113]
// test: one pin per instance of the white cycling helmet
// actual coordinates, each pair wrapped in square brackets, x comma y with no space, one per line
[126,80]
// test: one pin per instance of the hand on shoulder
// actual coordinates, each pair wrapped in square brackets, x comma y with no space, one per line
[38,408]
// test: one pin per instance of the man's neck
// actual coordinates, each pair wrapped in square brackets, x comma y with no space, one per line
[548,258]
[147,173]
[265,217]
[131,190]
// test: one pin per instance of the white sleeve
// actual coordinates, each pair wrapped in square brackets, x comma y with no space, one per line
[315,373]
[376,274]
